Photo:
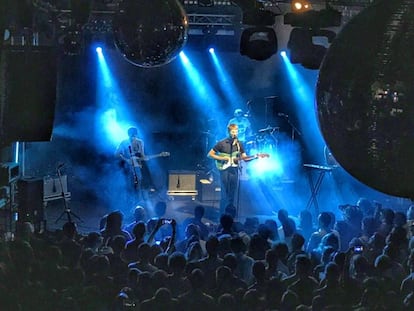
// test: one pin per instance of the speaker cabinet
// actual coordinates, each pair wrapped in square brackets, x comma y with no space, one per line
[210,192]
[182,183]
[30,200]
[28,79]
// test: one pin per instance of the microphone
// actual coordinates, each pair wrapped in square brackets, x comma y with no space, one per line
[280,114]
[178,183]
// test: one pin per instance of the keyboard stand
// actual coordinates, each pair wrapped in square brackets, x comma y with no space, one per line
[315,186]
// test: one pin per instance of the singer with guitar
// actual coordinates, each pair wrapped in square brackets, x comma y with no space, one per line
[227,153]
[132,158]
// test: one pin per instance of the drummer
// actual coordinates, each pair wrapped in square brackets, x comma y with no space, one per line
[243,123]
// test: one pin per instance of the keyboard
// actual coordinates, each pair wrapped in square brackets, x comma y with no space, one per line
[318,167]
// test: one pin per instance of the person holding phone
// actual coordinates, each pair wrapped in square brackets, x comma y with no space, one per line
[158,221]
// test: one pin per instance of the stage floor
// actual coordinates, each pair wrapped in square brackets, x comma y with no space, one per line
[87,216]
[260,200]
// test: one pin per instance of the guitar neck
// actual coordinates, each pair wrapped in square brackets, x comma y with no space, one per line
[250,158]
[256,156]
[234,162]
[153,156]
[149,157]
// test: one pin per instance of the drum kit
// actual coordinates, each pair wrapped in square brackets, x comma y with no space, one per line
[264,141]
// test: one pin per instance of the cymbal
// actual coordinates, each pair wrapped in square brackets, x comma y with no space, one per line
[268,129]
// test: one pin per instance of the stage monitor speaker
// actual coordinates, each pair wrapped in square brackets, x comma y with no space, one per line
[30,200]
[28,79]
[182,183]
[210,192]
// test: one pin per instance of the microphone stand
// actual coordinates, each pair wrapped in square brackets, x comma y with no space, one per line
[294,129]
[238,181]
[67,210]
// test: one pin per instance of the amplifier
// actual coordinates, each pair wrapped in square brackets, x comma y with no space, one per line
[54,187]
[182,183]
[9,172]
[210,192]
[30,200]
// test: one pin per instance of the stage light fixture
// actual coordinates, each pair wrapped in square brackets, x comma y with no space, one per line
[258,43]
[328,17]
[302,49]
[300,6]
[205,2]
[308,25]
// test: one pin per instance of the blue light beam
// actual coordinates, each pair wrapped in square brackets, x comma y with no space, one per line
[205,97]
[226,83]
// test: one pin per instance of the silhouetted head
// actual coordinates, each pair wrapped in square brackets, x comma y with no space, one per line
[199,211]
[238,113]
[226,221]
[139,213]
[160,208]
[324,220]
[132,132]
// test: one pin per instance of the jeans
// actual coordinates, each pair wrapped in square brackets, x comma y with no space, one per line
[229,180]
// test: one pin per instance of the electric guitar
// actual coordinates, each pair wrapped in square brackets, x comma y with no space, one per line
[136,161]
[234,160]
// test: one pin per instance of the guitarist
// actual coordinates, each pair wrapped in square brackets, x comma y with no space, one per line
[227,153]
[129,152]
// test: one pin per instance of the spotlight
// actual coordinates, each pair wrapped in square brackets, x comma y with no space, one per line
[300,6]
[303,50]
[283,53]
[258,43]
[310,24]
[98,50]
[211,50]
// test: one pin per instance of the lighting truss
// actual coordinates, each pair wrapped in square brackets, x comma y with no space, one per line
[214,26]
[211,19]
[206,3]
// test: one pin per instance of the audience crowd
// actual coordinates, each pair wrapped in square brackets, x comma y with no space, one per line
[362,261]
